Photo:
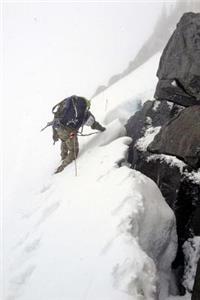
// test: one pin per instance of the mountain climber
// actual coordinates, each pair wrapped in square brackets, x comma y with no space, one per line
[69,116]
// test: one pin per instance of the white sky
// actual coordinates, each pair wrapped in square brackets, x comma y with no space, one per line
[71,48]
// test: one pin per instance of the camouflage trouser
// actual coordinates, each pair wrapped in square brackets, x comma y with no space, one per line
[69,145]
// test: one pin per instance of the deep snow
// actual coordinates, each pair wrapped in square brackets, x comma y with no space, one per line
[104,234]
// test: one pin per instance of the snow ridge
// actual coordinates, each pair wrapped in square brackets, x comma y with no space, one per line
[106,234]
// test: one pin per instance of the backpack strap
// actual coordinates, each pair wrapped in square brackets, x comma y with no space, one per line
[53,109]
[86,113]
[74,106]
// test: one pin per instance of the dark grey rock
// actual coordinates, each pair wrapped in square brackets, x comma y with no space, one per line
[166,91]
[196,288]
[153,113]
[187,202]
[196,220]
[168,178]
[180,137]
[178,187]
[179,68]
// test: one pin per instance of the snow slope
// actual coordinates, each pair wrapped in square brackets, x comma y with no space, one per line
[106,234]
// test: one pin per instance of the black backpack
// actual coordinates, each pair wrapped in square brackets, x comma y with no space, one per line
[71,112]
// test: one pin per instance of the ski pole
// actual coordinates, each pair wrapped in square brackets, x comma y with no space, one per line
[48,124]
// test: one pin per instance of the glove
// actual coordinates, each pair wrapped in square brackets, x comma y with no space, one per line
[103,129]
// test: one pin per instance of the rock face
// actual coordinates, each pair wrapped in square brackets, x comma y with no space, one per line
[177,178]
[196,292]
[180,137]
[154,114]
[166,140]
[179,68]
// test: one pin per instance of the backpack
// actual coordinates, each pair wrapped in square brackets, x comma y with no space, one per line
[71,112]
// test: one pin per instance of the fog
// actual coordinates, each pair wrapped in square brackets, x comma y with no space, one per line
[53,50]
[71,48]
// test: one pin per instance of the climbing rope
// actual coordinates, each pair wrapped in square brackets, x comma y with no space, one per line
[81,134]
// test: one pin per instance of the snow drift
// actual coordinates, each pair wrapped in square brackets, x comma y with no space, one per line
[104,234]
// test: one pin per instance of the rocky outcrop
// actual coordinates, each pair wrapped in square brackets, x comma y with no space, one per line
[142,128]
[179,68]
[180,137]
[166,142]
[196,290]
[158,125]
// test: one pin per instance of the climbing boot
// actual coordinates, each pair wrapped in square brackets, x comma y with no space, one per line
[59,169]
[98,126]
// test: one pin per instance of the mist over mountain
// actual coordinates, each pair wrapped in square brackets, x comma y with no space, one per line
[164,27]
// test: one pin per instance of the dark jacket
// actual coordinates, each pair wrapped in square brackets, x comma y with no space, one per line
[73,112]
